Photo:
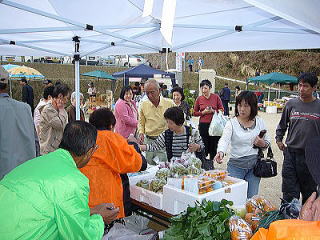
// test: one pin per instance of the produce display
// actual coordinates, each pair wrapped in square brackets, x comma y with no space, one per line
[207,220]
[217,174]
[240,229]
[177,168]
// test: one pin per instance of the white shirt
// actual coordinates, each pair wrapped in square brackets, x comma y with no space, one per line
[241,139]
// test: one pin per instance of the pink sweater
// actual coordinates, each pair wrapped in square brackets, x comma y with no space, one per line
[127,118]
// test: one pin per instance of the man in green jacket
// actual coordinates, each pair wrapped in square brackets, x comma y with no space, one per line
[47,197]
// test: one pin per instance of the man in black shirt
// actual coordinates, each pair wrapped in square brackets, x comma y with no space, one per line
[301,116]
[27,93]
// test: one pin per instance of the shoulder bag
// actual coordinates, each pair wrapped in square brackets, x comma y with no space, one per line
[265,167]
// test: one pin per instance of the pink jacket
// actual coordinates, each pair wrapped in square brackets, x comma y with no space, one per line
[127,118]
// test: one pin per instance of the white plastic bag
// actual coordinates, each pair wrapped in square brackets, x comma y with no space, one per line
[217,124]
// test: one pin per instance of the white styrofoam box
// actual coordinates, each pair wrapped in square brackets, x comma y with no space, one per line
[143,195]
[145,175]
[176,200]
[271,109]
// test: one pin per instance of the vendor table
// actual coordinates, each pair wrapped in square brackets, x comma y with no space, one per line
[146,210]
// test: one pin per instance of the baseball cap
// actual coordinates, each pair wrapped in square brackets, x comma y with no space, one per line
[4,75]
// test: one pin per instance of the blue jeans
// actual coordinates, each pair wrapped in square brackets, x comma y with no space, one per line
[246,174]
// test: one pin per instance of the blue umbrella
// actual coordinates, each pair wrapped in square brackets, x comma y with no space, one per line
[9,66]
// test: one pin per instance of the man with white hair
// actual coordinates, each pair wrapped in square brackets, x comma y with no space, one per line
[151,120]
[17,132]
[71,110]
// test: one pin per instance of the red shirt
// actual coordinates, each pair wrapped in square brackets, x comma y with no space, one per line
[202,102]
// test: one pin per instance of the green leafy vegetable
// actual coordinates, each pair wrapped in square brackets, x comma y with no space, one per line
[207,220]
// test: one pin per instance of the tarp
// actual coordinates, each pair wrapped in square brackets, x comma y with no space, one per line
[274,77]
[46,28]
[143,71]
[99,74]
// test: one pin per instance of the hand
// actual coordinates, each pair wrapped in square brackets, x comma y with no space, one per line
[143,148]
[206,111]
[107,210]
[193,147]
[306,212]
[60,103]
[281,146]
[316,209]
[219,156]
[141,138]
[131,138]
[259,142]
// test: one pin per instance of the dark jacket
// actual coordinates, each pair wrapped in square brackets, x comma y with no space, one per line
[225,94]
[27,95]
[71,110]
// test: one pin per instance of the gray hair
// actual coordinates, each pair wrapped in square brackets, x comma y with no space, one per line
[153,82]
[73,96]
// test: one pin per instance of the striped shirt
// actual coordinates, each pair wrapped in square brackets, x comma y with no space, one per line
[179,142]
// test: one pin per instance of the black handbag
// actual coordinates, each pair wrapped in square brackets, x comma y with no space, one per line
[265,167]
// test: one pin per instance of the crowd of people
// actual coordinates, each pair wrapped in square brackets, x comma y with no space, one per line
[68,178]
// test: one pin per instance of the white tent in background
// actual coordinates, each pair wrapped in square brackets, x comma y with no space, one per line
[98,27]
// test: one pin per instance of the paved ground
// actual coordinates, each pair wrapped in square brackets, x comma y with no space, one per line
[269,188]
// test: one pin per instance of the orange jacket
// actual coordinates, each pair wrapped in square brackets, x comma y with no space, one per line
[290,229]
[113,157]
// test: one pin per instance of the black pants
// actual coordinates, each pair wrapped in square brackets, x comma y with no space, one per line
[296,177]
[225,104]
[210,142]
[190,68]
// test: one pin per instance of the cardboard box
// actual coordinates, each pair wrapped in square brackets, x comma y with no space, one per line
[143,195]
[176,200]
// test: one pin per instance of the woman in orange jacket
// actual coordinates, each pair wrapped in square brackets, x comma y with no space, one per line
[113,157]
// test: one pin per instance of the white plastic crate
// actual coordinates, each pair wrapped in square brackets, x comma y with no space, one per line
[143,195]
[176,200]
[146,175]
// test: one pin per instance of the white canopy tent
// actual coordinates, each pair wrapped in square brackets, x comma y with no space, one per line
[98,27]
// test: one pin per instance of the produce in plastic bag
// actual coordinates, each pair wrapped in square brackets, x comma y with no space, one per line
[253,220]
[164,165]
[217,174]
[258,204]
[240,229]
[192,170]
[163,173]
[156,185]
[178,170]
[143,184]
[195,161]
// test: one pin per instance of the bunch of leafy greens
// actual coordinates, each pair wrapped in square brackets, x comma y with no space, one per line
[208,220]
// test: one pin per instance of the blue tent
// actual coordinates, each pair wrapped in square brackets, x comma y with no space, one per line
[98,74]
[143,71]
[274,77]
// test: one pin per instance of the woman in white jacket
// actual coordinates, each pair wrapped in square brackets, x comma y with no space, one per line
[242,133]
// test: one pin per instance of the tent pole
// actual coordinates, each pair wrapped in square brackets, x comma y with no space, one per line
[77,74]
[10,84]
[269,95]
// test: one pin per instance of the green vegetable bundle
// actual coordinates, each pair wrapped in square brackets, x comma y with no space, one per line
[208,220]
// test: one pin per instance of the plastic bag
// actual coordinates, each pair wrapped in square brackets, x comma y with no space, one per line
[217,124]
[239,229]
[121,232]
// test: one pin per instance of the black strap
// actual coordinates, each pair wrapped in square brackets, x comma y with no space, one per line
[168,138]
